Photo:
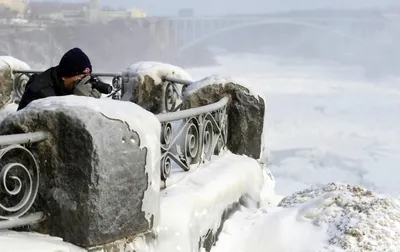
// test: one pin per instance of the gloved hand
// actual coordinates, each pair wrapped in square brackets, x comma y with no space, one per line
[83,88]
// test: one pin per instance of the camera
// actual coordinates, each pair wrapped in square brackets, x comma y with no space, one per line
[102,87]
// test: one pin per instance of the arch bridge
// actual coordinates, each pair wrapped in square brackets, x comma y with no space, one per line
[183,33]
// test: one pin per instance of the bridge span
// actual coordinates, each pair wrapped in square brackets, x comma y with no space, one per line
[179,34]
[182,33]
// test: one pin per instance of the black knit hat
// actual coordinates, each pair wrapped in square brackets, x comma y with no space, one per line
[74,62]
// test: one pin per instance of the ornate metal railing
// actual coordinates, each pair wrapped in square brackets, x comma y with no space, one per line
[172,94]
[21,77]
[192,136]
[19,179]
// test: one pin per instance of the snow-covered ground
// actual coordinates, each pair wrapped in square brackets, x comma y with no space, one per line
[11,241]
[334,217]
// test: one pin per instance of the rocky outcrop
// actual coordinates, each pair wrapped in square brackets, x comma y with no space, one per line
[99,170]
[7,65]
[246,112]
[143,84]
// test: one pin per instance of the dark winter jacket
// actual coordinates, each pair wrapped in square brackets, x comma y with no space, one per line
[43,85]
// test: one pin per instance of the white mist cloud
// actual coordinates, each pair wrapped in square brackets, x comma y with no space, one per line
[210,7]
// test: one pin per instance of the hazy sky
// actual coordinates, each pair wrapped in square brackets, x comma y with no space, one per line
[202,7]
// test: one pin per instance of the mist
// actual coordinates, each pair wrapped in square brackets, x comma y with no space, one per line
[210,7]
[123,40]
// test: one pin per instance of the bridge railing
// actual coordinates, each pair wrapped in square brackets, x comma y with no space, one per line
[19,179]
[193,135]
[21,77]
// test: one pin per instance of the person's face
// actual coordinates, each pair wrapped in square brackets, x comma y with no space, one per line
[70,82]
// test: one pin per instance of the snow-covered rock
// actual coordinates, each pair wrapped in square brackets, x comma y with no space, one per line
[246,112]
[220,80]
[8,109]
[7,65]
[355,219]
[142,84]
[100,167]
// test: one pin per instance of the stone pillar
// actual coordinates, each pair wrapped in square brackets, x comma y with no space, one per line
[143,84]
[246,112]
[99,168]
[7,85]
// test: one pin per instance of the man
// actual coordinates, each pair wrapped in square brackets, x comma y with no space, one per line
[71,76]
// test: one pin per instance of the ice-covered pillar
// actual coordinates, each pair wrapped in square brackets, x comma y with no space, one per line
[143,84]
[99,169]
[7,85]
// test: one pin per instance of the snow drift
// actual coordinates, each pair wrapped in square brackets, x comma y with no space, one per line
[355,219]
[331,217]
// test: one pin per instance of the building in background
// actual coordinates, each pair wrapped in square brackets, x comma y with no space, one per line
[89,11]
[17,6]
[96,13]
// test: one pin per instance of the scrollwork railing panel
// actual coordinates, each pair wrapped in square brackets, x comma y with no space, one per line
[18,184]
[192,136]
[19,179]
[172,94]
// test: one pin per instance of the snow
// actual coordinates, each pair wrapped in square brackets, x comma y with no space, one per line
[8,109]
[355,219]
[13,63]
[268,196]
[195,205]
[12,241]
[272,229]
[221,80]
[156,70]
[137,119]
[332,217]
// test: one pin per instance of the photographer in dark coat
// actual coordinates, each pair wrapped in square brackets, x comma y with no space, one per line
[71,76]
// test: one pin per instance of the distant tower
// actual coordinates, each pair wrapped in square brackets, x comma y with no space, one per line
[94,10]
[94,5]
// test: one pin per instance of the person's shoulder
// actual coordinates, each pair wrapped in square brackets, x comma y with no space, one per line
[41,80]
[47,74]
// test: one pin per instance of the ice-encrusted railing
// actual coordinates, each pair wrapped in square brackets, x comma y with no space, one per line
[193,135]
[19,179]
[21,77]
[188,137]
[170,100]
[171,97]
